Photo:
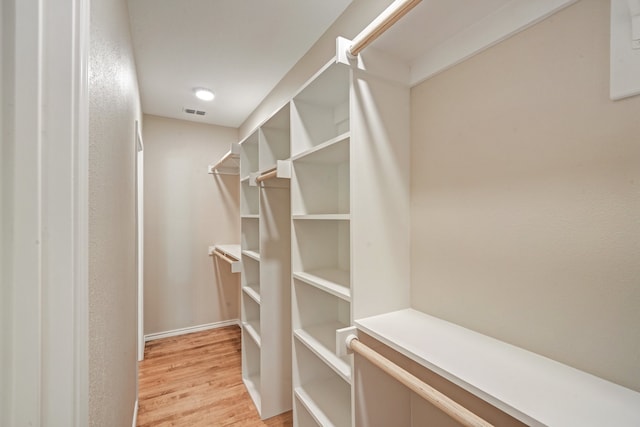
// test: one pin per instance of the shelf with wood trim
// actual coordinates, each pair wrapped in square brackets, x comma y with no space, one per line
[533,389]
[229,254]
[229,164]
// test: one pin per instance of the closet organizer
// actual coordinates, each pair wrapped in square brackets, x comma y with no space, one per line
[325,257]
[324,233]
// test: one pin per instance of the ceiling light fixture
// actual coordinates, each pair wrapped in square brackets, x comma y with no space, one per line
[204,94]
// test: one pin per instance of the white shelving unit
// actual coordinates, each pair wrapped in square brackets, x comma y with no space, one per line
[266,282]
[349,207]
[344,217]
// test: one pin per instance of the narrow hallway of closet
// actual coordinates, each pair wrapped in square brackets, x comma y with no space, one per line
[436,230]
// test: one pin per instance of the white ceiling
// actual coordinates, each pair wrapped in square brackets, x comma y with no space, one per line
[242,48]
[431,23]
[238,48]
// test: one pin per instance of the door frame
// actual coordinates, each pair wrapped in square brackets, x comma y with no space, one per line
[140,235]
[44,321]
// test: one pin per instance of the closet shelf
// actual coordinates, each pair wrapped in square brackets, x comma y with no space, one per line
[324,217]
[229,164]
[251,254]
[252,293]
[321,340]
[532,388]
[250,216]
[333,281]
[252,383]
[228,253]
[231,250]
[252,328]
[331,151]
[327,401]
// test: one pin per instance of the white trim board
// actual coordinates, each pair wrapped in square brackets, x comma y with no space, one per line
[507,21]
[191,329]
[45,331]
[135,414]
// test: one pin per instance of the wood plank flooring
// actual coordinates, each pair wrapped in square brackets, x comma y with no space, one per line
[195,380]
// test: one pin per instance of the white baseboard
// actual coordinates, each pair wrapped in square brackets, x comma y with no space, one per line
[190,329]
[135,415]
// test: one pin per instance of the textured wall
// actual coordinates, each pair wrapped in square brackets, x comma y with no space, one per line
[114,106]
[526,196]
[186,211]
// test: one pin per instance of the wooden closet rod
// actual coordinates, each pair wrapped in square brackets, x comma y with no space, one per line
[422,389]
[224,256]
[386,19]
[267,175]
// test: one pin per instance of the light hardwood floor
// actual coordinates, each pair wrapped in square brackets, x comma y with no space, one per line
[195,380]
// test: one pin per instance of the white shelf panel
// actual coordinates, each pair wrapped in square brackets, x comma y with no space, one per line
[231,250]
[232,253]
[252,328]
[330,151]
[252,216]
[328,402]
[323,217]
[229,164]
[333,281]
[251,254]
[532,388]
[252,384]
[302,417]
[321,340]
[252,293]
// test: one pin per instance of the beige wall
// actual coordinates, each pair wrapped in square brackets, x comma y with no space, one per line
[186,211]
[353,20]
[114,106]
[526,197]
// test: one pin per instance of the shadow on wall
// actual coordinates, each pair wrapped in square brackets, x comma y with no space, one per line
[229,188]
[228,289]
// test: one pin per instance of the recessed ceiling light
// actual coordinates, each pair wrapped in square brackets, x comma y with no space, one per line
[204,94]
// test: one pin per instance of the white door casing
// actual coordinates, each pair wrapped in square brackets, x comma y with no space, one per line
[45,213]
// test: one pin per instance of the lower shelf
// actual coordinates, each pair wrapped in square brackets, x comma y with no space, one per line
[251,328]
[328,401]
[252,384]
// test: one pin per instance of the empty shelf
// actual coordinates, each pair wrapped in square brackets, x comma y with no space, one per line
[328,401]
[333,281]
[321,340]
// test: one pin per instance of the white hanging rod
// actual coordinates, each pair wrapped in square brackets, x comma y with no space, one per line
[422,389]
[386,19]
[224,256]
[267,175]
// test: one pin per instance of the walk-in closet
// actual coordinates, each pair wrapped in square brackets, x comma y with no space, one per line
[344,213]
